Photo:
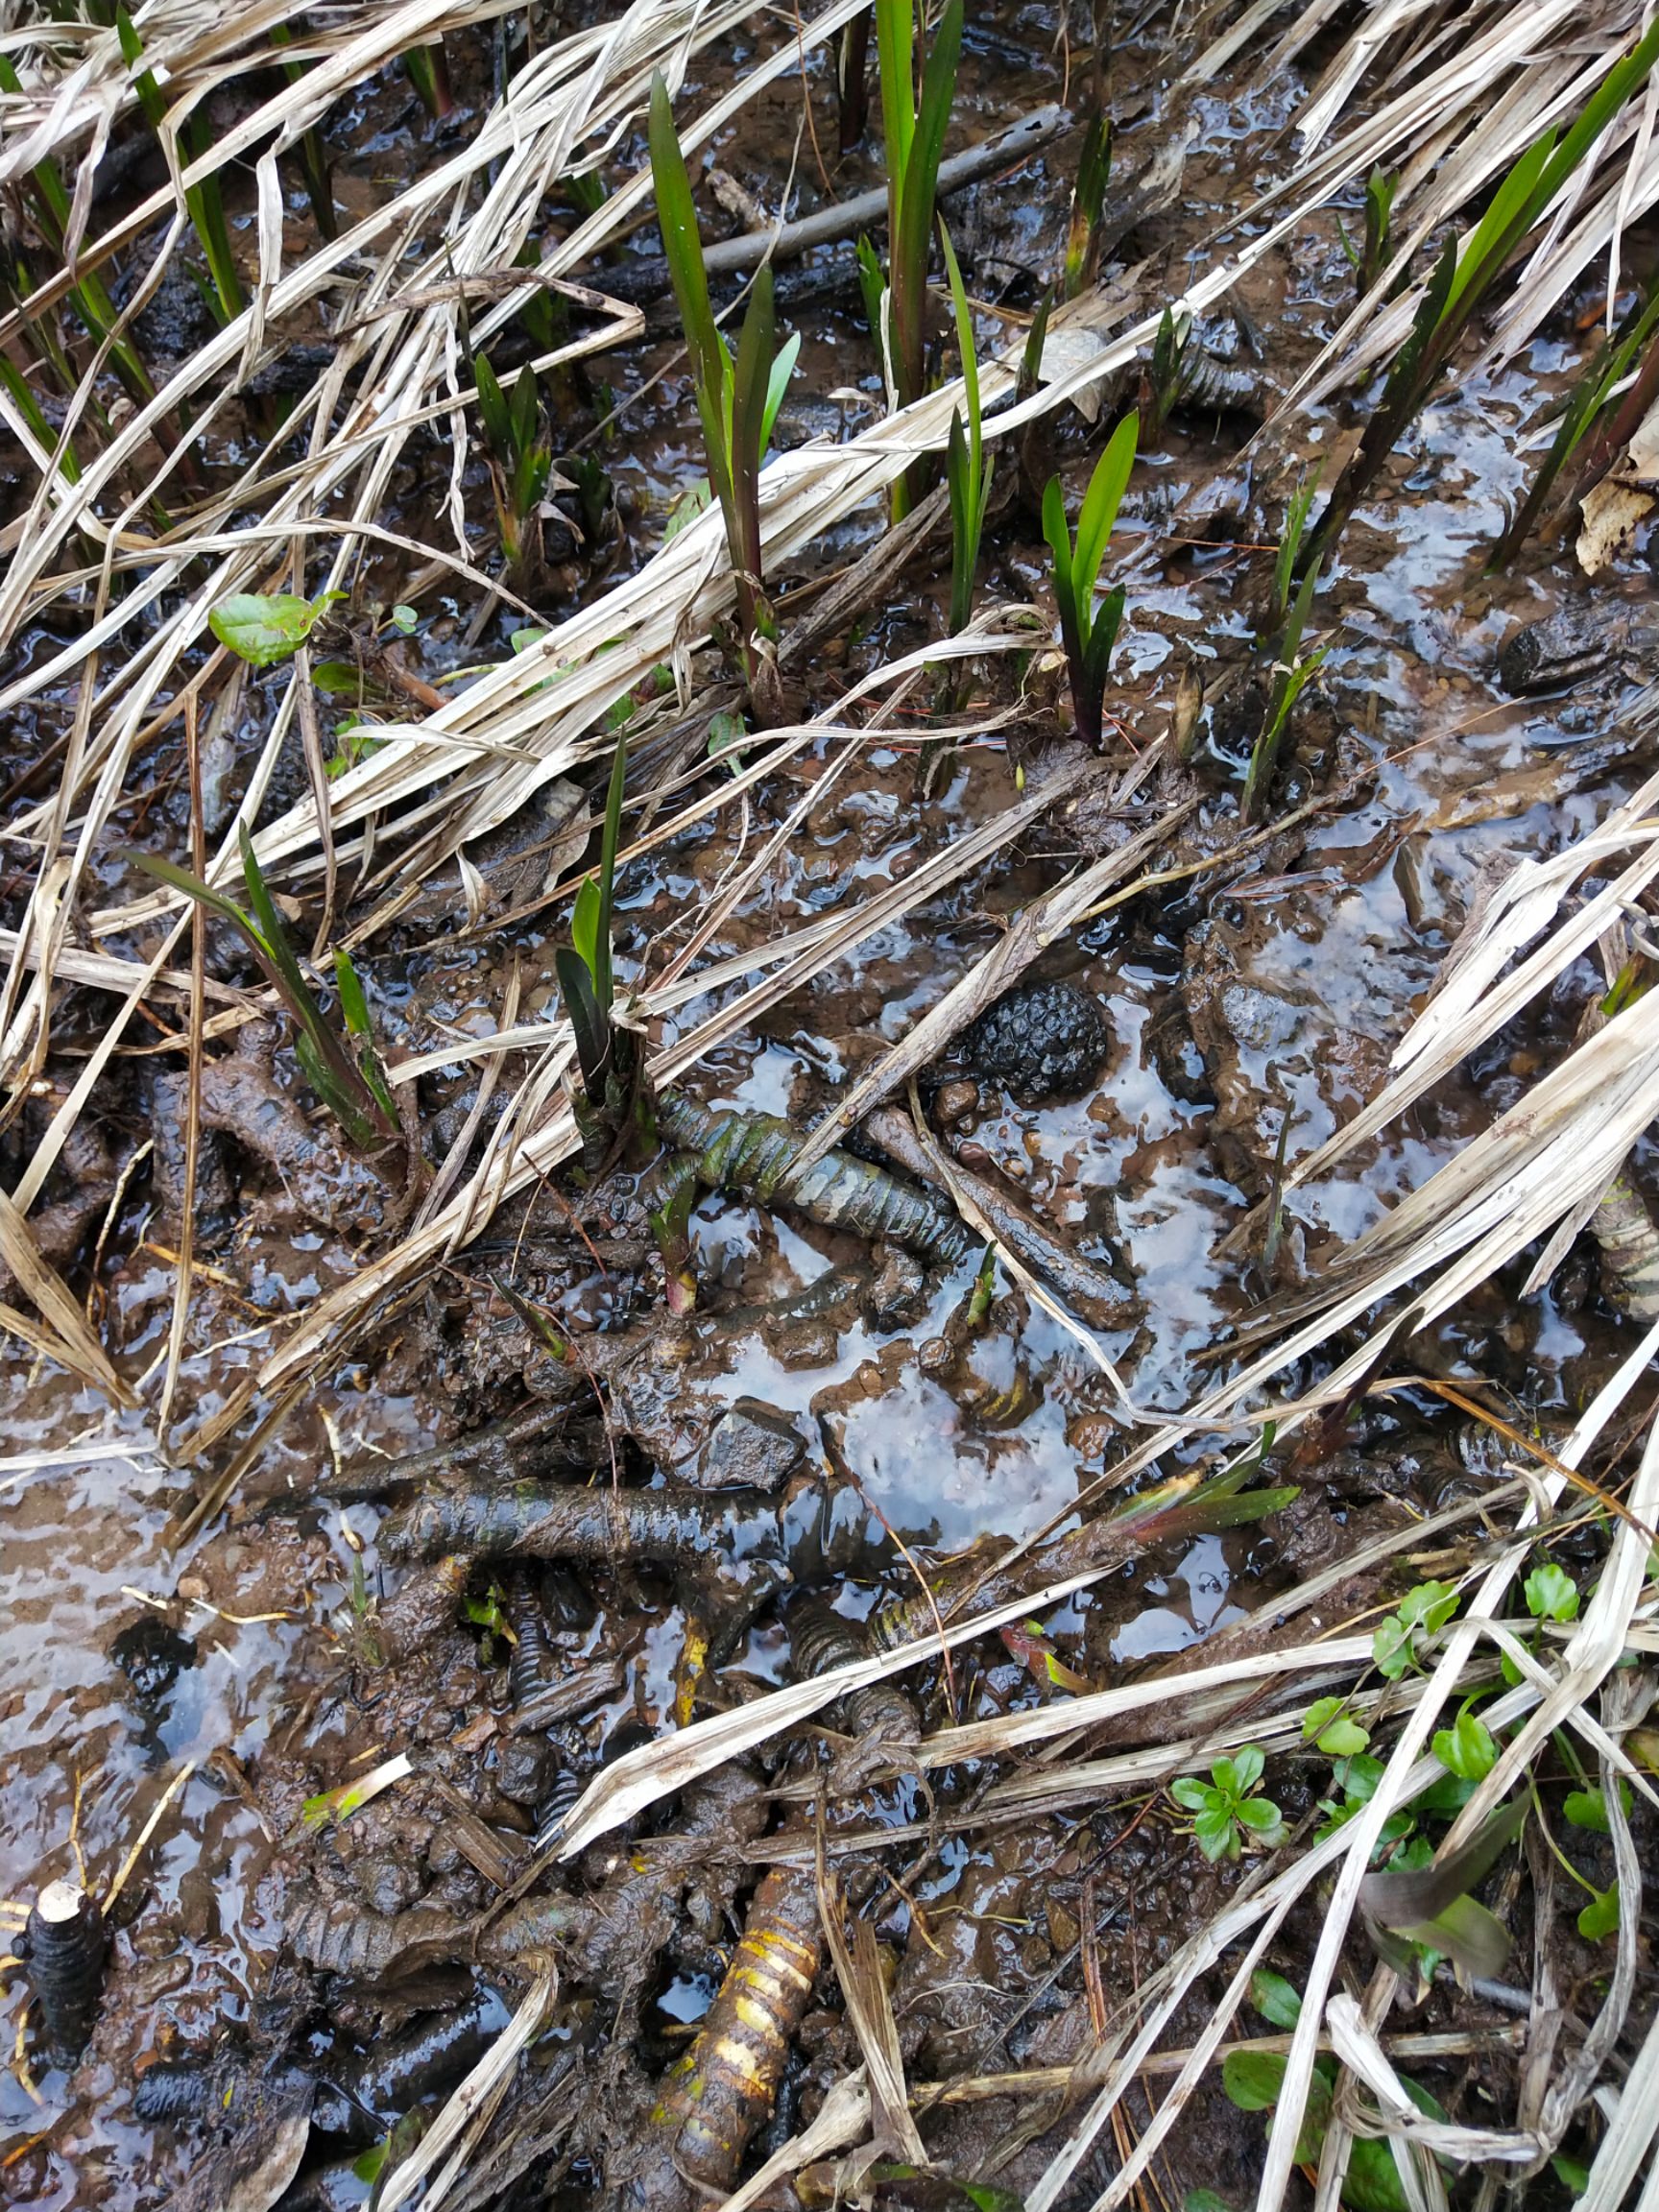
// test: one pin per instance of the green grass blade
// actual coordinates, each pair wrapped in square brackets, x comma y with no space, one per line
[584,922]
[964,342]
[963,547]
[1100,504]
[591,1028]
[777,384]
[493,411]
[896,61]
[610,840]
[681,242]
[1065,591]
[354,1004]
[1103,628]
[181,879]
[908,252]
[750,385]
[29,407]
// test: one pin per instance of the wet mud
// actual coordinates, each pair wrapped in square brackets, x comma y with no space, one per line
[541,1515]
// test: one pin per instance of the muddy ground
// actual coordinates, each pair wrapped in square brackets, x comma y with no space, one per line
[1261,994]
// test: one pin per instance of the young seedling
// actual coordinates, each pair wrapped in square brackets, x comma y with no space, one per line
[520,458]
[1591,415]
[1296,514]
[1463,278]
[735,400]
[428,71]
[1406,1634]
[671,1232]
[1166,378]
[1088,200]
[265,626]
[1088,632]
[914,132]
[203,202]
[613,1090]
[97,311]
[1372,255]
[1291,675]
[340,1062]
[1226,1814]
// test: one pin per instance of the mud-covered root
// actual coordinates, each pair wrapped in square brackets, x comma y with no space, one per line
[352,2096]
[64,1945]
[756,1155]
[807,1531]
[715,2098]
[340,1936]
[882,1718]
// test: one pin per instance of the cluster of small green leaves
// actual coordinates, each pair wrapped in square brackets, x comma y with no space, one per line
[1254,2080]
[1226,1811]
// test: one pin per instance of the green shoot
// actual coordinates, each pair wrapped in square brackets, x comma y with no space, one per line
[983,1295]
[1372,257]
[1088,199]
[968,472]
[203,202]
[1587,403]
[428,72]
[694,500]
[1166,378]
[914,132]
[1031,353]
[737,400]
[1291,677]
[1463,278]
[1296,514]
[670,1230]
[1226,1814]
[1088,631]
[520,456]
[341,1063]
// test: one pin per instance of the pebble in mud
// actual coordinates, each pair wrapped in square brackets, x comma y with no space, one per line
[1043,1040]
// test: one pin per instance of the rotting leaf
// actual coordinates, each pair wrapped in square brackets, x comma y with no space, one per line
[1431,1905]
[1036,1651]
